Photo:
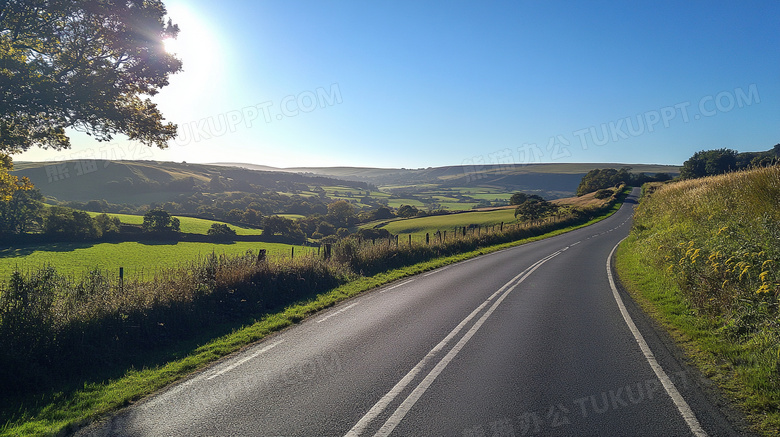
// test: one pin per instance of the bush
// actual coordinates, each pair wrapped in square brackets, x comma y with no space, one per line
[221,231]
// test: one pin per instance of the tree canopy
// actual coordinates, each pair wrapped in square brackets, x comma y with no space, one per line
[10,184]
[598,179]
[84,65]
[718,161]
[159,220]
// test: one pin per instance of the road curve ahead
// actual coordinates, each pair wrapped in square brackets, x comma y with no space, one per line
[531,340]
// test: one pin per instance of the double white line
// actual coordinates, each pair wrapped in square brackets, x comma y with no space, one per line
[420,389]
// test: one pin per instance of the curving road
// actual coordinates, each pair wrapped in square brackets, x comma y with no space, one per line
[532,340]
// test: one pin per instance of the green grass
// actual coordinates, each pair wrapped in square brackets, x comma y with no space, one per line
[716,357]
[51,414]
[191,225]
[396,203]
[291,216]
[422,225]
[136,257]
[702,258]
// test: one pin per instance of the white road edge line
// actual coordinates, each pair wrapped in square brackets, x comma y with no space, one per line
[385,401]
[679,401]
[440,269]
[244,360]
[336,313]
[397,285]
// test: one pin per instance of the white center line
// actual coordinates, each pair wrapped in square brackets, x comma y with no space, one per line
[388,398]
[336,312]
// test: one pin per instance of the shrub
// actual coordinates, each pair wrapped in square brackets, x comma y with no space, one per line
[221,231]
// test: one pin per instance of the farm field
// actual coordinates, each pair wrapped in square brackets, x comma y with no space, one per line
[190,225]
[136,257]
[422,225]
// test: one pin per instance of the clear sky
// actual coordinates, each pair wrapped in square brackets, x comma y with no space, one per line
[418,84]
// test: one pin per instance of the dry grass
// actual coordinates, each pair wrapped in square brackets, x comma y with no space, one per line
[585,201]
[719,239]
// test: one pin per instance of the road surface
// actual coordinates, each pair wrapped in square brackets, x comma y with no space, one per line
[532,340]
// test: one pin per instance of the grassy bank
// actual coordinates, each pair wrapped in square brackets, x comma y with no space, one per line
[702,257]
[117,343]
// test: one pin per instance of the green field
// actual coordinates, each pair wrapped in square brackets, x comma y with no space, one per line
[190,225]
[431,224]
[136,257]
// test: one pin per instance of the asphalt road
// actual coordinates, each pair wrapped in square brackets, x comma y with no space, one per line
[526,341]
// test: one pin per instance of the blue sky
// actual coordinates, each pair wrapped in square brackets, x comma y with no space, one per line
[417,84]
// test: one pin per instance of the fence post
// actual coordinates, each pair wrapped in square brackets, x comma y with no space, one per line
[327,250]
[427,238]
[121,279]
[410,241]
[292,252]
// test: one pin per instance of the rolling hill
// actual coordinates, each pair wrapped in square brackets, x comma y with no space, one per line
[146,182]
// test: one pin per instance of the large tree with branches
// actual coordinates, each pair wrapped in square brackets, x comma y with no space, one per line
[85,64]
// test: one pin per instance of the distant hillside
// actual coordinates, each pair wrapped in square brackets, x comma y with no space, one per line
[144,182]
[147,182]
[554,180]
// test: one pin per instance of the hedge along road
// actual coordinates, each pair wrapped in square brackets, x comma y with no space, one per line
[527,340]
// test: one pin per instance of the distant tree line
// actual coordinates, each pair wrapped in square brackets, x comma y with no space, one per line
[719,161]
[599,179]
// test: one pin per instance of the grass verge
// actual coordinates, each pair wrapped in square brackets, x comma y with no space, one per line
[701,259]
[731,366]
[66,410]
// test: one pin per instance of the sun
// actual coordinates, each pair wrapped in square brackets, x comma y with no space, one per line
[172,45]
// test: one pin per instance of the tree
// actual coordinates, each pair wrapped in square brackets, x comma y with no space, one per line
[517,198]
[598,179]
[25,208]
[252,217]
[708,163]
[535,209]
[83,65]
[342,213]
[276,225]
[221,231]
[10,184]
[407,211]
[325,229]
[69,222]
[158,220]
[383,212]
[108,225]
